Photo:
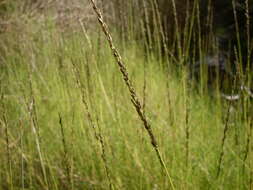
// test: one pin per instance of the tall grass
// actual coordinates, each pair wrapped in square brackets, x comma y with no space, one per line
[68,121]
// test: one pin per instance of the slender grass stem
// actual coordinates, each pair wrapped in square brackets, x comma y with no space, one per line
[131,89]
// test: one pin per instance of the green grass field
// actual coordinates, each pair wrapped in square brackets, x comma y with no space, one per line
[67,120]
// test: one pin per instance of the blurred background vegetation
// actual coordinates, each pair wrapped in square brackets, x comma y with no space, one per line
[211,18]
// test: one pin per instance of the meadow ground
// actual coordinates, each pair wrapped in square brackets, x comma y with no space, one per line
[67,120]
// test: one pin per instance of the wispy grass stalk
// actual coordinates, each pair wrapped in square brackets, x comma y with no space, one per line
[147,32]
[94,62]
[9,179]
[134,98]
[249,122]
[177,30]
[225,132]
[103,154]
[248,22]
[238,37]
[187,126]
[66,155]
[203,80]
[189,30]
[223,140]
[21,128]
[31,108]
[249,139]
[97,134]
[156,38]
